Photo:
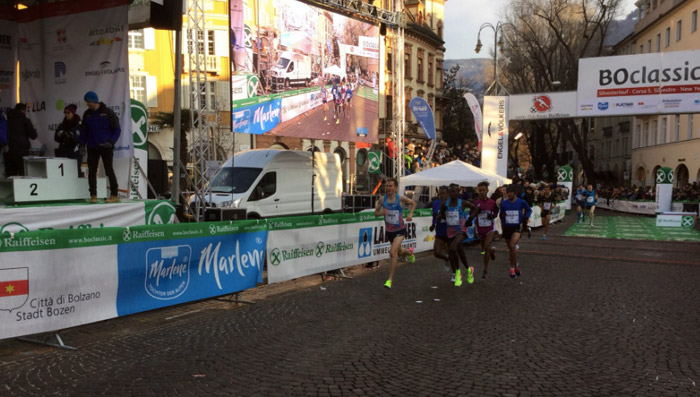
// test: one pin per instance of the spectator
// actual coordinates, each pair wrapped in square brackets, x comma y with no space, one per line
[19,131]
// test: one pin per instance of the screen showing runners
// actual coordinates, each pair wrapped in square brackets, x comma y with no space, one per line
[302,71]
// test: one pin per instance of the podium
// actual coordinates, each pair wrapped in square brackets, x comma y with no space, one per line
[48,179]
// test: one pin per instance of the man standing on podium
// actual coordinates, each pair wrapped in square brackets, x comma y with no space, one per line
[99,132]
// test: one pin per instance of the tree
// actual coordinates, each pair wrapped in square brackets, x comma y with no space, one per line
[545,39]
[457,119]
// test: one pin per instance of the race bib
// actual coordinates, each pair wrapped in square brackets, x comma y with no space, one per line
[590,199]
[392,217]
[512,217]
[452,218]
[547,206]
[484,220]
[579,197]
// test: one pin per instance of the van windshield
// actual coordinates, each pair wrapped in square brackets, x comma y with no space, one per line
[234,180]
[282,63]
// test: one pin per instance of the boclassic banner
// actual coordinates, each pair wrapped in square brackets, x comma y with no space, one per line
[67,49]
[494,152]
[663,82]
[548,105]
[307,245]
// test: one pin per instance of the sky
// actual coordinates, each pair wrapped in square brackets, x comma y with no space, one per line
[464,17]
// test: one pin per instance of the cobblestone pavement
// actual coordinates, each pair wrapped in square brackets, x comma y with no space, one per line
[588,317]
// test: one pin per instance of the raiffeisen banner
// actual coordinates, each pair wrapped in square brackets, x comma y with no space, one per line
[639,84]
[303,71]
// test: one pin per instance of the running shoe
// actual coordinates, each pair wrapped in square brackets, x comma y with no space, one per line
[453,278]
[337,121]
[591,224]
[458,278]
[544,237]
[517,247]
[484,275]
[512,273]
[325,118]
[483,252]
[517,271]
[493,254]
[470,275]
[411,258]
[387,284]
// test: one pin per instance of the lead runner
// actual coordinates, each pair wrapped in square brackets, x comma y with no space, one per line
[392,208]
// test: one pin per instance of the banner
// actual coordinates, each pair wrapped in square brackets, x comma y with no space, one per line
[634,207]
[139,125]
[8,59]
[85,216]
[65,51]
[476,112]
[424,116]
[549,105]
[663,82]
[258,118]
[307,245]
[494,153]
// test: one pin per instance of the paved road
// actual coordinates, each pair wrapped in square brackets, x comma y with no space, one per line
[311,125]
[576,323]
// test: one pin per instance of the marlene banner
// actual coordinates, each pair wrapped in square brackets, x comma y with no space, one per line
[307,245]
[494,151]
[664,82]
[67,49]
[547,105]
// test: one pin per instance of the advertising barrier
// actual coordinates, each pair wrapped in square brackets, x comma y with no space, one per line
[330,242]
[635,207]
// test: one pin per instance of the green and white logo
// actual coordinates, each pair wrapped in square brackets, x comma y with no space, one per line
[375,159]
[275,257]
[319,249]
[139,124]
[565,174]
[688,221]
[162,213]
[13,227]
[253,83]
[664,175]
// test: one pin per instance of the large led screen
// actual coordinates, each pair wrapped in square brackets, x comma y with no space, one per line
[302,71]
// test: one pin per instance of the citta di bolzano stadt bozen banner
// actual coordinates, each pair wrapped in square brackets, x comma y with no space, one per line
[663,82]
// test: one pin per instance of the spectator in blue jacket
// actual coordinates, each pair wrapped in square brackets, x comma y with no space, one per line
[100,131]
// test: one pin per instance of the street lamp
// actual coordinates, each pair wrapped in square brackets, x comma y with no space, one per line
[497,46]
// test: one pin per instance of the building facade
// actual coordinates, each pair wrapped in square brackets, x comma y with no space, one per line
[668,140]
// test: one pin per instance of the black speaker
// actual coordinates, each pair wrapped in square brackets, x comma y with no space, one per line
[158,176]
[382,29]
[224,214]
[167,16]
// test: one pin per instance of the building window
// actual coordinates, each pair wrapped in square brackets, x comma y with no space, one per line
[439,28]
[662,130]
[694,21]
[649,46]
[438,83]
[211,48]
[677,128]
[431,73]
[679,29]
[668,37]
[200,42]
[641,48]
[407,110]
[136,41]
[389,62]
[646,140]
[653,132]
[420,70]
[689,127]
[407,64]
[658,42]
[137,88]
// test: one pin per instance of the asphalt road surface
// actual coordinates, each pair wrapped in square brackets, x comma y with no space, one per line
[364,113]
[588,317]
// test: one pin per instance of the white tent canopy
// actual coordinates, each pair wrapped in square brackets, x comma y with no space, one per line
[457,172]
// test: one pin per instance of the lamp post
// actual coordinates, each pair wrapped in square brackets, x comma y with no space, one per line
[497,46]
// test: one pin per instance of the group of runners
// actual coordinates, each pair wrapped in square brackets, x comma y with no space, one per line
[340,95]
[450,223]
[586,199]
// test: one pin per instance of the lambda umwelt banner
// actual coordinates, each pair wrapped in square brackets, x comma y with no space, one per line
[667,82]
[67,50]
[333,242]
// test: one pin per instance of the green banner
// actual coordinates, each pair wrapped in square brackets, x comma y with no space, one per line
[565,174]
[664,175]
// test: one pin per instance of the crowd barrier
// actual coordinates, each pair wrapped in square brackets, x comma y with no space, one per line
[635,207]
[56,279]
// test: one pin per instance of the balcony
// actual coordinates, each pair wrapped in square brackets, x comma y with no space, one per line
[213,63]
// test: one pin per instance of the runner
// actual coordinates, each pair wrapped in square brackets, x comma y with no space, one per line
[513,221]
[591,200]
[440,228]
[343,105]
[348,96]
[485,226]
[324,99]
[546,202]
[335,92]
[453,212]
[580,192]
[391,206]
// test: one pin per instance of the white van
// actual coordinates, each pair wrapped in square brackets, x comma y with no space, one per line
[269,182]
[292,69]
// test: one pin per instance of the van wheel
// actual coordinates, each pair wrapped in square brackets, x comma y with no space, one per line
[253,216]
[327,211]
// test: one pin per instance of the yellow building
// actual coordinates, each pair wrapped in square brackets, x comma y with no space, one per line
[671,140]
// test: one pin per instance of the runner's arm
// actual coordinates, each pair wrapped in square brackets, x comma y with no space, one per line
[378,207]
[411,204]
